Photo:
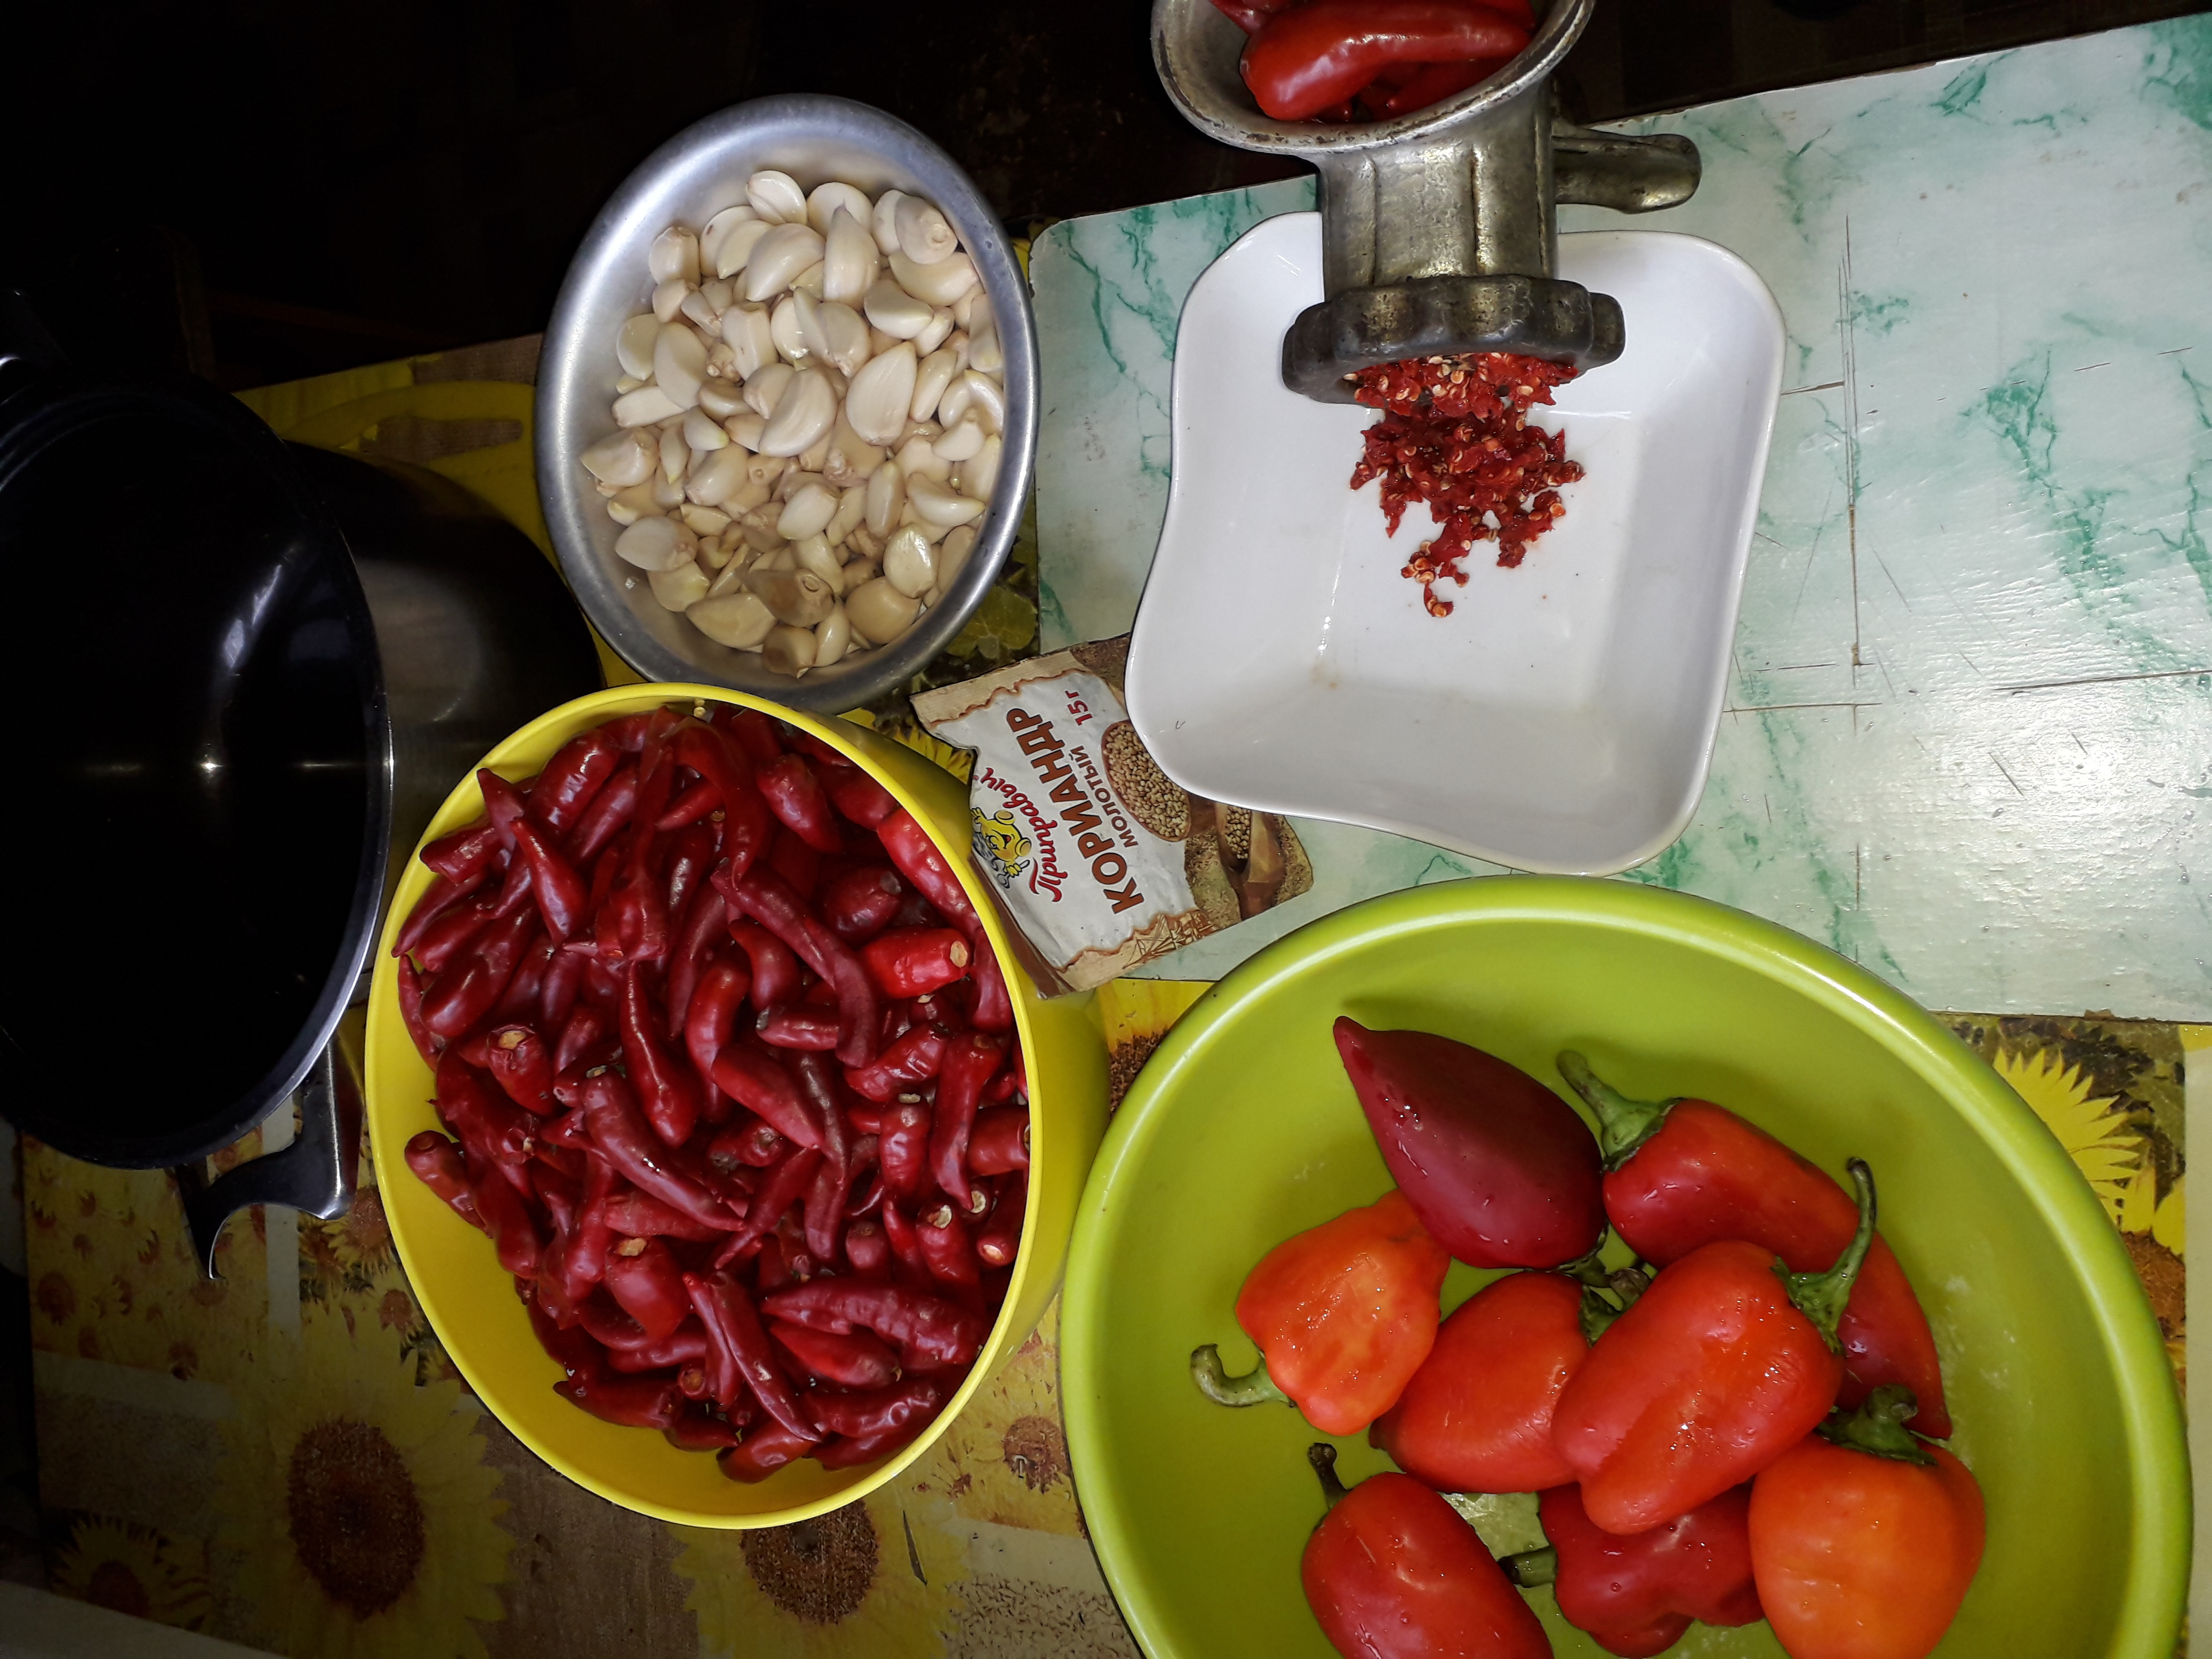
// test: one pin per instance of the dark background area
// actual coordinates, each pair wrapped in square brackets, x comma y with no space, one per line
[255,189]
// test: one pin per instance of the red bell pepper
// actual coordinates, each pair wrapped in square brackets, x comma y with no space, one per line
[1637,1595]
[1683,1173]
[1863,1538]
[1723,1365]
[1302,60]
[1500,1170]
[1393,1572]
[1343,1314]
[1477,1415]
[1430,83]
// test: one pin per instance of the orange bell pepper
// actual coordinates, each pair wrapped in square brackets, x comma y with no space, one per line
[1343,1314]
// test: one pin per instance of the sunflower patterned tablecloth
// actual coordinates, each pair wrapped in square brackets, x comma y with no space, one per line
[286,1458]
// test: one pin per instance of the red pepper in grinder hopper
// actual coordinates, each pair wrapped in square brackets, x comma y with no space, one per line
[1498,1167]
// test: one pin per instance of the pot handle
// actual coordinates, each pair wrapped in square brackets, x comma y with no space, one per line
[314,1175]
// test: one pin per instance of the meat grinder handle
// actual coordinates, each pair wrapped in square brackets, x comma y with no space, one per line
[1627,173]
[314,1175]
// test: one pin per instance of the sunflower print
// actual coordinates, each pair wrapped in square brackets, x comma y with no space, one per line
[359,1506]
[1004,1458]
[880,1575]
[128,1568]
[2095,1136]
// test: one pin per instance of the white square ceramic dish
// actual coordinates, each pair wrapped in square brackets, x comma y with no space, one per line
[1561,719]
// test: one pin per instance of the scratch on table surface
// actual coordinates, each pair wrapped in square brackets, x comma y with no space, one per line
[2085,367]
[2176,351]
[1850,344]
[1826,385]
[2009,777]
[2107,679]
[1776,708]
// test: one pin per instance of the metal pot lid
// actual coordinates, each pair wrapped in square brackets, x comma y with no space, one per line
[200,798]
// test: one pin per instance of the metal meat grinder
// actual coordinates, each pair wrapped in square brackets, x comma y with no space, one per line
[1438,233]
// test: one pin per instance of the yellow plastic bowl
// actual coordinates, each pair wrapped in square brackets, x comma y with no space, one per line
[471,1303]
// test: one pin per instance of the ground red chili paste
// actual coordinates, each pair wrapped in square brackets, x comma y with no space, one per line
[1455,434]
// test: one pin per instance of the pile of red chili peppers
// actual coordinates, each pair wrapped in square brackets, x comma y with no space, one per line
[732,1080]
[1719,1433]
[1455,434]
[1349,60]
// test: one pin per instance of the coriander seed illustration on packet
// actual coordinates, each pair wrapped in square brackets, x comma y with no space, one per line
[1102,861]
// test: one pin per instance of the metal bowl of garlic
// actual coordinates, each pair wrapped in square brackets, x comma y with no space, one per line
[690,181]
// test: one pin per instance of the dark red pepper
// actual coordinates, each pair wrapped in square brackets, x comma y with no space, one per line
[899,1229]
[668,1092]
[467,856]
[437,1164]
[641,1215]
[441,897]
[759,737]
[757,1081]
[858,903]
[824,1087]
[813,1030]
[609,815]
[694,948]
[1302,60]
[999,1142]
[508,1221]
[864,1414]
[690,856]
[763,1451]
[439,942]
[471,982]
[931,1332]
[784,1186]
[912,962]
[1001,1237]
[991,1009]
[776,979]
[795,795]
[910,1060]
[734,1325]
[767,898]
[867,1250]
[572,780]
[969,1062]
[642,1275]
[748,826]
[427,1044]
[699,1430]
[635,1403]
[925,867]
[621,1133]
[853,1360]
[903,1148]
[699,799]
[521,1064]
[947,1249]
[711,1015]
[585,1033]
[858,796]
[748,1142]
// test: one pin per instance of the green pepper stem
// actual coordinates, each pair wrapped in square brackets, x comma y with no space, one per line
[1820,1296]
[1623,1124]
[1597,1316]
[1628,1284]
[1255,1387]
[1322,1456]
[1532,1567]
[1877,1427]
[1587,1269]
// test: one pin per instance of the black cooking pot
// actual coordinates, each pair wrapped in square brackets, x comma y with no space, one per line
[251,670]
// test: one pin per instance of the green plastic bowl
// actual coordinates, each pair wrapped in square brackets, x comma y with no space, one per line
[1243,1130]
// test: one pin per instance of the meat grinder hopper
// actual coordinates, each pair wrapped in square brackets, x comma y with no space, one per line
[1438,234]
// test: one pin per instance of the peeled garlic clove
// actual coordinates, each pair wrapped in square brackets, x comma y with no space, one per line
[681,588]
[705,521]
[806,513]
[666,492]
[954,404]
[937,333]
[637,498]
[776,197]
[803,415]
[758,527]
[938,505]
[876,404]
[674,253]
[894,311]
[910,562]
[719,478]
[702,315]
[634,344]
[844,336]
[720,398]
[657,543]
[746,428]
[796,478]
[825,202]
[811,554]
[952,556]
[668,299]
[622,512]
[675,454]
[763,389]
[886,495]
[765,470]
[879,341]
[621,458]
[809,281]
[987,399]
[748,332]
[940,282]
[679,364]
[850,261]
[979,478]
[806,319]
[794,596]
[985,353]
[934,375]
[883,223]
[923,237]
[700,430]
[714,552]
[783,328]
[880,613]
[736,618]
[646,406]
[857,456]
[833,637]
[917,458]
[788,650]
[778,257]
[852,508]
[963,443]
[726,579]
[735,250]
[710,237]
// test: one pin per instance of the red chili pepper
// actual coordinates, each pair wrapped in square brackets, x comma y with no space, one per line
[519,1002]
[800,865]
[767,898]
[930,1333]
[557,991]
[436,1163]
[1302,60]
[826,1096]
[519,1062]
[999,1143]
[776,979]
[614,1330]
[441,897]
[912,962]
[628,732]
[969,1062]
[748,826]
[1637,1594]
[1477,1415]
[1392,1571]
[410,1013]
[471,982]
[668,1092]
[703,929]
[573,1350]
[508,1221]
[559,891]
[757,1081]
[699,799]
[867,1252]
[641,1215]
[784,1186]
[910,1060]
[747,1142]
[1343,1314]
[763,1451]
[811,1030]
[795,795]
[947,1249]
[572,780]
[991,1009]
[585,1033]
[632,921]
[903,1147]
[759,736]
[858,796]
[868,1413]
[855,1360]
[635,1403]
[905,1246]
[1725,1362]
[734,1325]
[1864,1540]
[610,813]
[621,1133]
[1499,1168]
[443,938]
[485,1121]
[925,868]
[1010,1084]
[642,1275]
[697,1430]
[1684,1173]
[691,854]
[467,856]
[858,903]
[712,1013]
[1247,15]
[1000,1238]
